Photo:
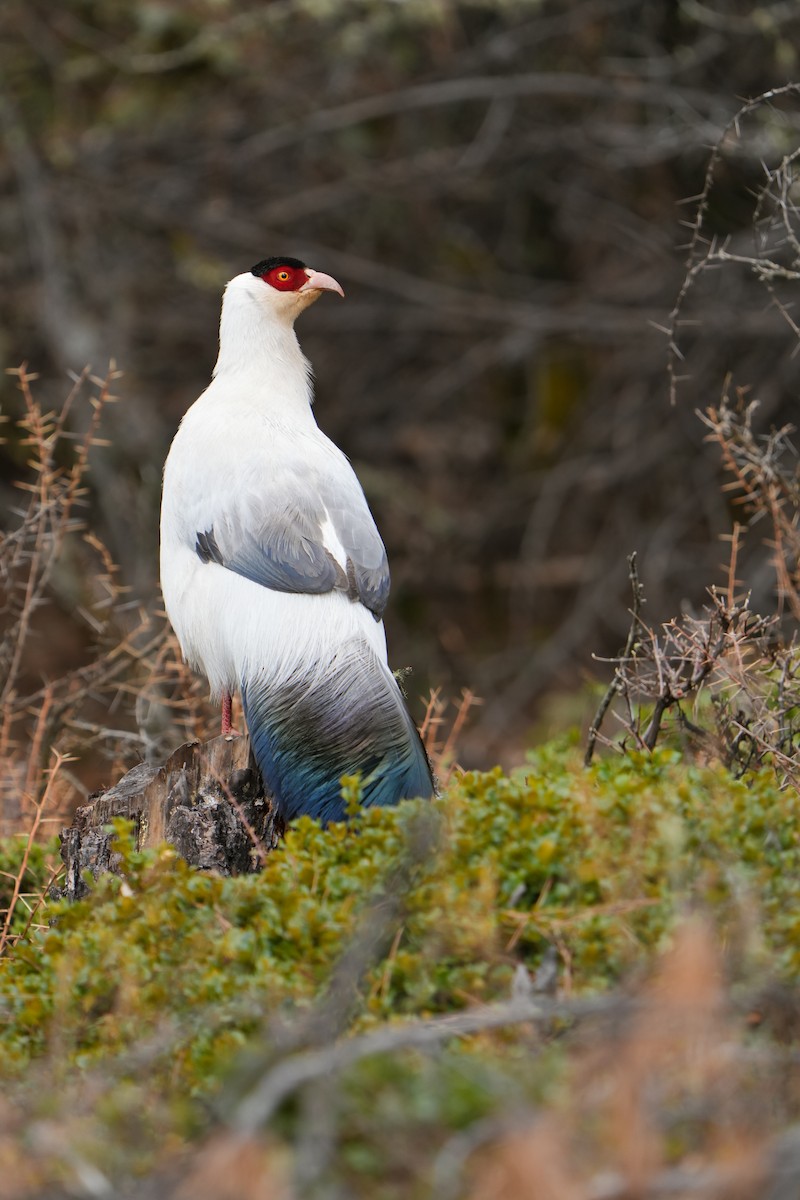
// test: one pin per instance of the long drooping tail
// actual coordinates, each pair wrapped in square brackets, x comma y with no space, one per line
[342,716]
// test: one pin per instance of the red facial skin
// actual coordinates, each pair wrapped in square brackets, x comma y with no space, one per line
[285,278]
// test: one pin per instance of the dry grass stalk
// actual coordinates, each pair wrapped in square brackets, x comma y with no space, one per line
[128,694]
[441,729]
[30,902]
[765,481]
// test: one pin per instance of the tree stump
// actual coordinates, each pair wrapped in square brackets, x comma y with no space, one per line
[206,800]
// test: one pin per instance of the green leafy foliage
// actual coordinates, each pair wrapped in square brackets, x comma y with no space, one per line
[29,884]
[12,853]
[596,863]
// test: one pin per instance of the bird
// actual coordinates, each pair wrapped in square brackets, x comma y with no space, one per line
[273,573]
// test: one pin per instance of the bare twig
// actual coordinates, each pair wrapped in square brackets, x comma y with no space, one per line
[705,250]
[40,805]
[256,1108]
[617,684]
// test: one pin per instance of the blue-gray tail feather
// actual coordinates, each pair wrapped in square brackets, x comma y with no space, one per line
[344,718]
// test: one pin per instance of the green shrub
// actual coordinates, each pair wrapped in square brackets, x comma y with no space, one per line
[166,990]
[596,863]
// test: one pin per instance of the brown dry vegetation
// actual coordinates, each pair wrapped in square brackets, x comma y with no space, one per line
[123,662]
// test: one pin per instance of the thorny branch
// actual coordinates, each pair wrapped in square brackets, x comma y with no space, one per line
[764,480]
[746,664]
[775,230]
[617,684]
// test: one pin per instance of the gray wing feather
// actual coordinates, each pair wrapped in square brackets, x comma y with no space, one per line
[280,544]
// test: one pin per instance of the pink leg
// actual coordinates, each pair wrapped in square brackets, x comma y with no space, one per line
[227,713]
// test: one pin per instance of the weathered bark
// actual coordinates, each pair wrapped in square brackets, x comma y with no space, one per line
[206,800]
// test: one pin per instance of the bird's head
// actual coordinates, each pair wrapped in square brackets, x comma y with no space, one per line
[284,286]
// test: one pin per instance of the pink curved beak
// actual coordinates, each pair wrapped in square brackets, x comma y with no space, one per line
[317,281]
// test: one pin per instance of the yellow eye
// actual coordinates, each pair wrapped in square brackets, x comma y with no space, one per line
[283,276]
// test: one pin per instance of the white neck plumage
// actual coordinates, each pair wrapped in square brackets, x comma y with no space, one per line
[259,351]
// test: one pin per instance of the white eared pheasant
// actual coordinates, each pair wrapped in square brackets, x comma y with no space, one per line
[273,573]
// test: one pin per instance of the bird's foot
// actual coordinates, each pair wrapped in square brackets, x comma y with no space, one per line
[227,715]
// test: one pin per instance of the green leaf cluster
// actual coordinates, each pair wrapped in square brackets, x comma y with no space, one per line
[29,884]
[596,863]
